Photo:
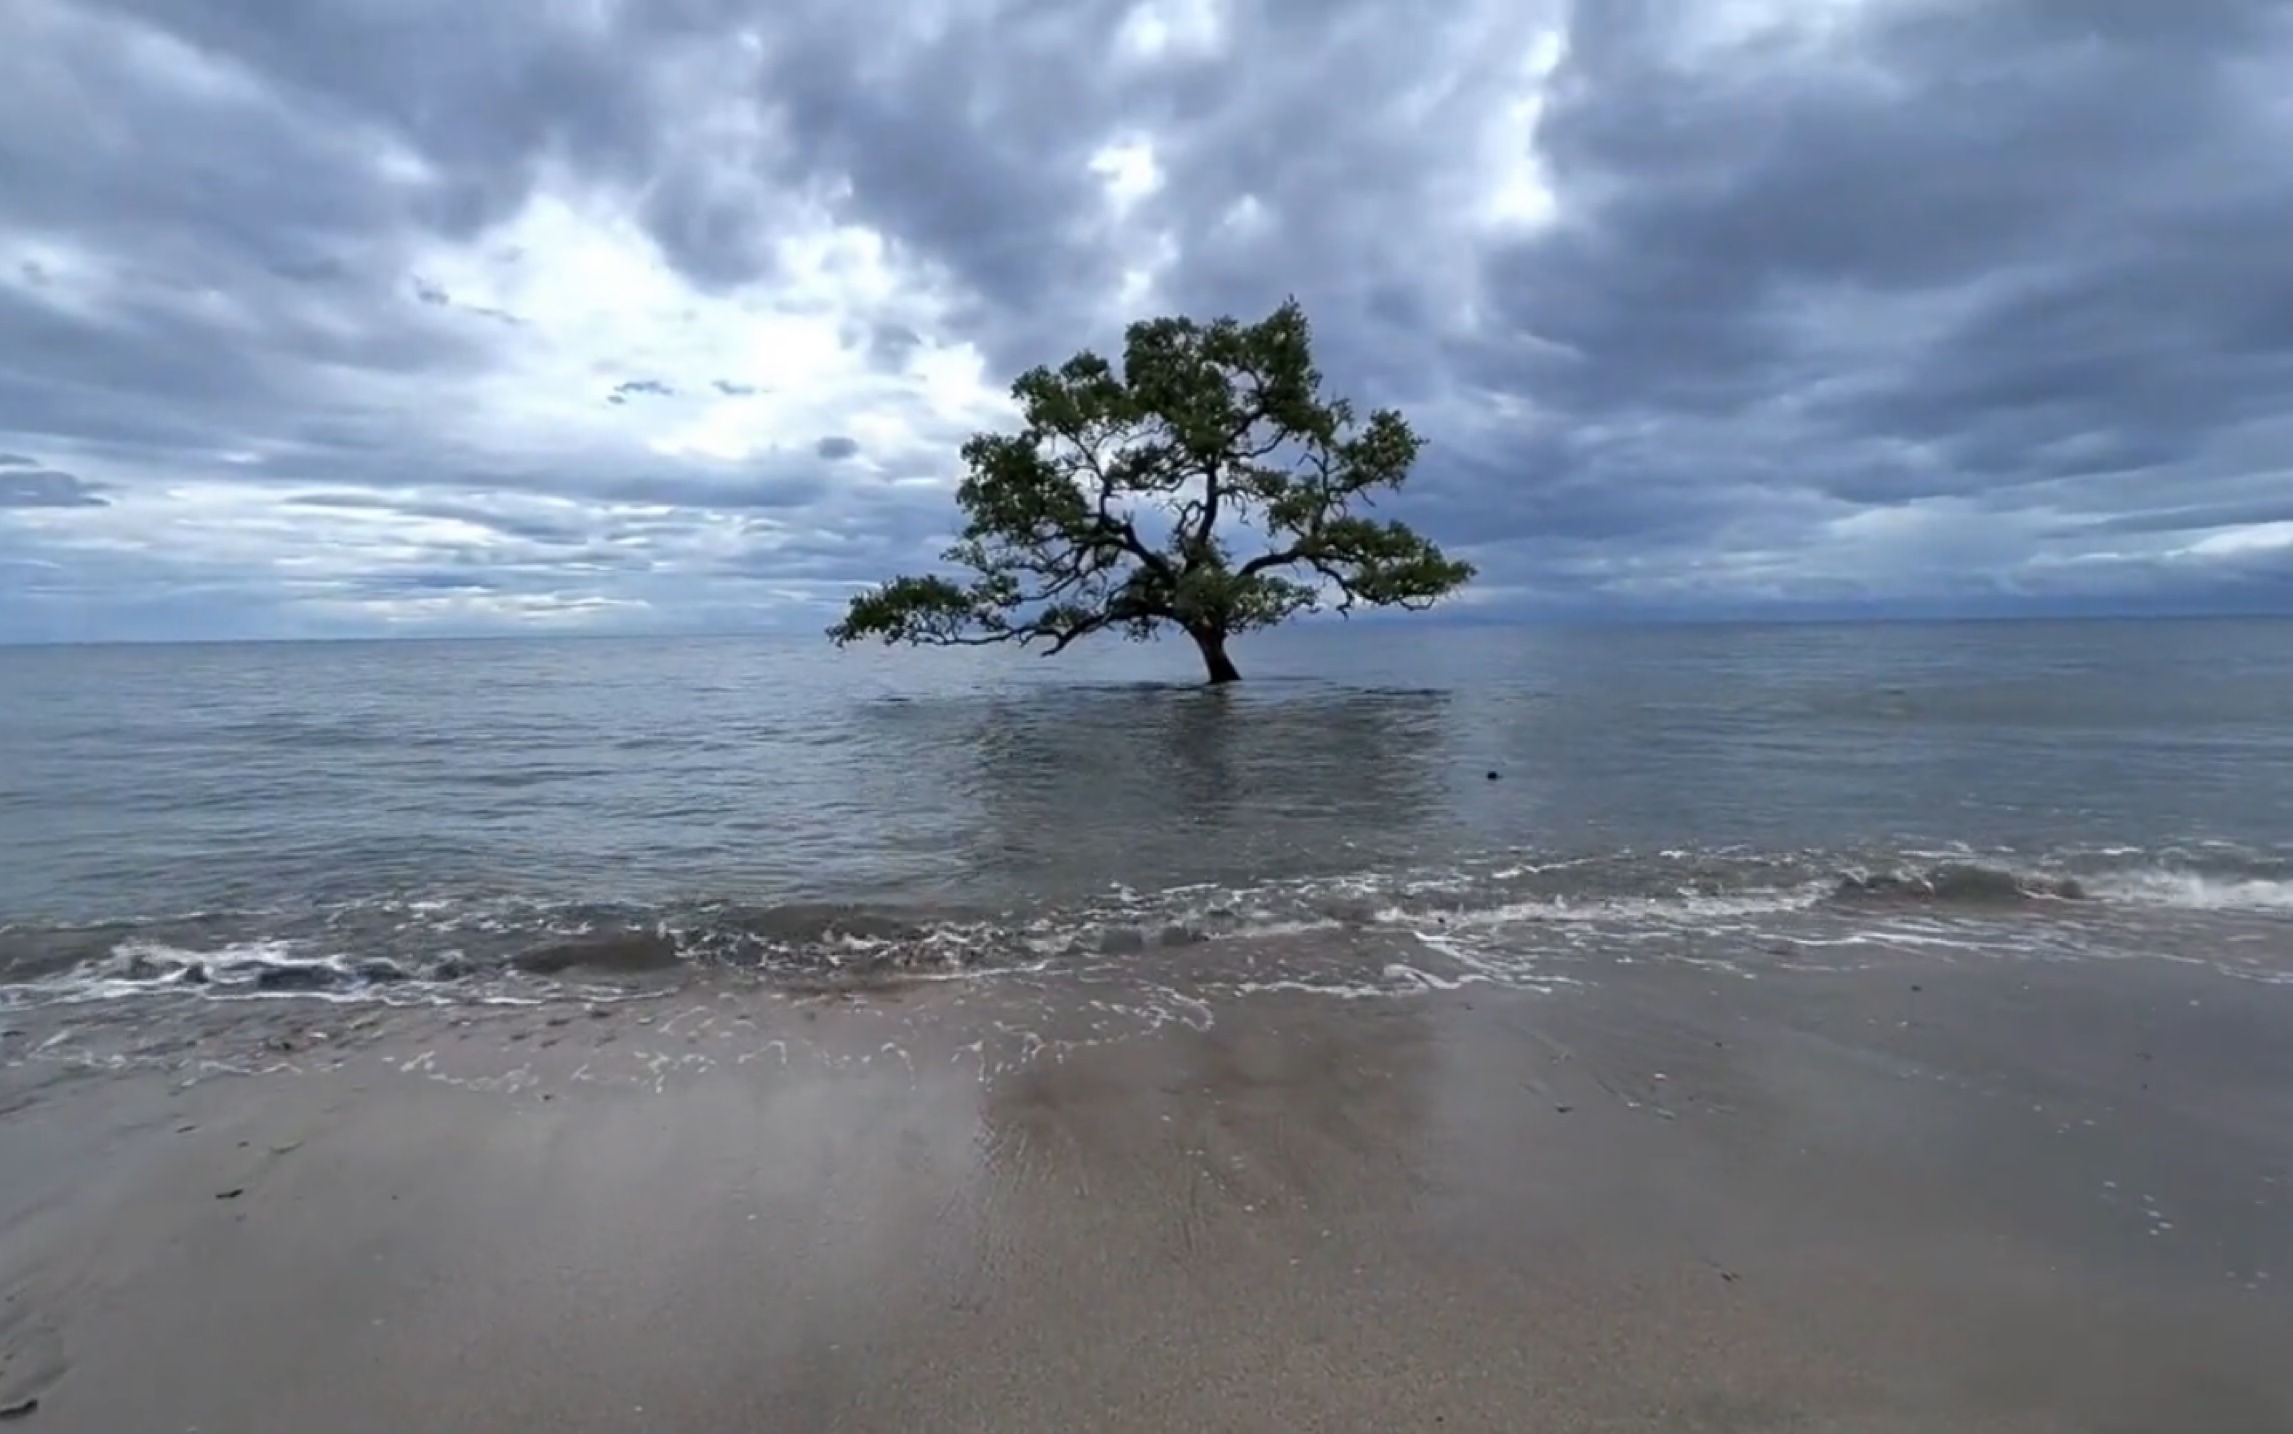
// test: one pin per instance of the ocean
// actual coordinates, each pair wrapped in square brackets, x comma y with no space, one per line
[1377,807]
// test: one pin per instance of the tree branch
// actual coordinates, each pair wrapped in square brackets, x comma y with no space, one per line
[1207,423]
[1121,530]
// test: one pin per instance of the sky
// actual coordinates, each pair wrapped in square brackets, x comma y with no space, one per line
[426,316]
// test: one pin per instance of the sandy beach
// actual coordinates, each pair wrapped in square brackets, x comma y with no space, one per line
[1914,1196]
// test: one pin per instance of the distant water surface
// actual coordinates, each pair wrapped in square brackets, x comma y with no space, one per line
[443,806]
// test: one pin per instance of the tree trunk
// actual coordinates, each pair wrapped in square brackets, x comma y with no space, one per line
[1214,658]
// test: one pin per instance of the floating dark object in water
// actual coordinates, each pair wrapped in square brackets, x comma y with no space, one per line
[231,1194]
[18,1411]
[621,951]
[1492,776]
[381,973]
[296,978]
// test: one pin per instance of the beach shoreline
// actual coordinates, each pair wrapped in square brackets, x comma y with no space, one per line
[1916,1194]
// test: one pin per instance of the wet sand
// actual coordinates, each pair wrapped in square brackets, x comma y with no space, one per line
[1920,1196]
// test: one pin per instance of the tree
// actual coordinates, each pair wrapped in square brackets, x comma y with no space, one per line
[1116,507]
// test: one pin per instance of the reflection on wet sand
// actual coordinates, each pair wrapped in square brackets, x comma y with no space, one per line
[1922,1194]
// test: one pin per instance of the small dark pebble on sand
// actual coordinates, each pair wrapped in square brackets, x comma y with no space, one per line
[231,1194]
[18,1411]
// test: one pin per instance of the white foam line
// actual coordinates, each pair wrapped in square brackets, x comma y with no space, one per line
[1343,993]
[2191,891]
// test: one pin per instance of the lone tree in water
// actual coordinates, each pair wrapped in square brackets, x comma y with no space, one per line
[1117,506]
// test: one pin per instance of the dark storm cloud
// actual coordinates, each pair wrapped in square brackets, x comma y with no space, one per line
[1915,299]
[46,488]
[1994,246]
[264,240]
[975,146]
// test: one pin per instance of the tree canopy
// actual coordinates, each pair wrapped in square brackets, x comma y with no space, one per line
[1120,504]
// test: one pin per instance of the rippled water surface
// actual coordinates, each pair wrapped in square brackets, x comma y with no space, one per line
[355,815]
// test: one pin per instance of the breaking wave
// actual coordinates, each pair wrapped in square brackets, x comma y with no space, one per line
[440,949]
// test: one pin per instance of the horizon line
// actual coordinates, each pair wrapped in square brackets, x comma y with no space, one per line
[1738,619]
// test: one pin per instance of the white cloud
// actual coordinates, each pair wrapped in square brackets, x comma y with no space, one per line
[2243,541]
[1165,30]
[596,305]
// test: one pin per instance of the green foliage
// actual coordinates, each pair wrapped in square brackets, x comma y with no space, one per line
[1112,509]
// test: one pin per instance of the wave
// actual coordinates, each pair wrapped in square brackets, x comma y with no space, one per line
[1954,883]
[252,968]
[429,947]
[2197,891]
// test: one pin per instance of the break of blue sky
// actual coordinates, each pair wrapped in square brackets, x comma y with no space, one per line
[425,315]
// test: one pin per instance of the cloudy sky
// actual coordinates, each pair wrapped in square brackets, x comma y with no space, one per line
[428,315]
